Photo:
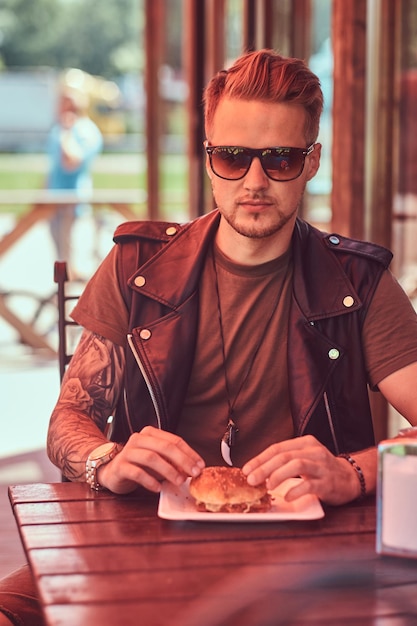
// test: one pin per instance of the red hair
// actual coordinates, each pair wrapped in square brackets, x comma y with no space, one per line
[266,75]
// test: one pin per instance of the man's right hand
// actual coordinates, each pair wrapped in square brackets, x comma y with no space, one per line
[148,458]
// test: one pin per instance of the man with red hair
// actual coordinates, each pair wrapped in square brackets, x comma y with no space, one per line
[244,337]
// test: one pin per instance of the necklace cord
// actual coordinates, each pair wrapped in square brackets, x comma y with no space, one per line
[231,426]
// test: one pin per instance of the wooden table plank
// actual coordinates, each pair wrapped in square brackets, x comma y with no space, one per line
[144,530]
[40,505]
[53,492]
[111,559]
[349,612]
[108,614]
[352,602]
[83,511]
[162,578]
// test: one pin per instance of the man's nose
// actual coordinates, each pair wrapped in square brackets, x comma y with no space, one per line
[256,177]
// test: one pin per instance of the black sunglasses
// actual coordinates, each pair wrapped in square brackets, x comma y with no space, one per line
[279,164]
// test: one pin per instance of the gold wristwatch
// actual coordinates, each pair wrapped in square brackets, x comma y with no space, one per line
[98,457]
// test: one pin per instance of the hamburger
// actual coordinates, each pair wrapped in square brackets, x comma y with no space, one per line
[226,490]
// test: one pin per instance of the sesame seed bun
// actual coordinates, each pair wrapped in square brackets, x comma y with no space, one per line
[226,490]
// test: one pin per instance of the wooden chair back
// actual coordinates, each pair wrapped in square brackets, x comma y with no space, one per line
[65,346]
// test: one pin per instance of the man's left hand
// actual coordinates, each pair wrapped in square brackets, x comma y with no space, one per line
[332,479]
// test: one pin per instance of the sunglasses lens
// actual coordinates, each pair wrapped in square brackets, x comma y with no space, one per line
[230,162]
[283,163]
[233,162]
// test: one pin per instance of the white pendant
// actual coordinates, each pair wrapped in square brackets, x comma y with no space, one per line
[225,450]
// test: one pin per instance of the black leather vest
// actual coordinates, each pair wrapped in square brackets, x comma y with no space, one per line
[334,280]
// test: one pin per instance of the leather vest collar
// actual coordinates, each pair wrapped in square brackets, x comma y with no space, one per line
[185,253]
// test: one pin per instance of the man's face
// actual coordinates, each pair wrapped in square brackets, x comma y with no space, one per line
[256,206]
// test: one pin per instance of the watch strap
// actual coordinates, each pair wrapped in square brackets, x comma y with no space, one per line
[99,456]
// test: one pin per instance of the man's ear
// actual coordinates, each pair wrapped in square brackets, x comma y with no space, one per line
[208,168]
[313,161]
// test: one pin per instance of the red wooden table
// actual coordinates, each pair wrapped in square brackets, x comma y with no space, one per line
[107,560]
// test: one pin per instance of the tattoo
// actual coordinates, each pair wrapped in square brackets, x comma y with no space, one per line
[89,394]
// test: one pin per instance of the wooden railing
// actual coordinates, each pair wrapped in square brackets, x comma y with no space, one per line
[43,204]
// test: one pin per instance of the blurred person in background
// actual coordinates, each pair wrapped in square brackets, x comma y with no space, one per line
[73,144]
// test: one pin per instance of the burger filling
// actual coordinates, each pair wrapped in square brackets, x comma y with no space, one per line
[256,506]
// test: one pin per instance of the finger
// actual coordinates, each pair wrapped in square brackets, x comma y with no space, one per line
[261,467]
[174,450]
[140,467]
[288,446]
[150,470]
[275,474]
[134,475]
[164,457]
[175,444]
[122,475]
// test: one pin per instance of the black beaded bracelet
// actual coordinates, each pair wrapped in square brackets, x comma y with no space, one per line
[359,474]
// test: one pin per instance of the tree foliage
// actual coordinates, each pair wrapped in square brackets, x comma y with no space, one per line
[100,36]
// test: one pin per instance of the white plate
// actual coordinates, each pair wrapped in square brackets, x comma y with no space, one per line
[175,503]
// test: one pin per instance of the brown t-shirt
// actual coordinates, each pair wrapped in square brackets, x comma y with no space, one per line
[254,313]
[262,407]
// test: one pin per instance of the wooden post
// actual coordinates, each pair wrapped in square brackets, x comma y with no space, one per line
[204,55]
[249,25]
[154,15]
[383,62]
[300,28]
[257,24]
[194,55]
[348,153]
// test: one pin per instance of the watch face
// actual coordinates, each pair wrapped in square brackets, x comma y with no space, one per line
[101,451]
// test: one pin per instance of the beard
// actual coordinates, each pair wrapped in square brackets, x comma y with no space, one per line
[257,226]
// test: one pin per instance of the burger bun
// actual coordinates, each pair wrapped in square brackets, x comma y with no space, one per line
[226,490]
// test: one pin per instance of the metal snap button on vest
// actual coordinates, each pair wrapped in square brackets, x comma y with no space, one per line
[140,281]
[171,230]
[334,354]
[145,333]
[334,240]
[348,301]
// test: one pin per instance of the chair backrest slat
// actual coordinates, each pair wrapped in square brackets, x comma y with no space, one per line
[61,278]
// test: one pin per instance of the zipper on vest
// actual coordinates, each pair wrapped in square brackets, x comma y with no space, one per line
[146,379]
[127,412]
[330,420]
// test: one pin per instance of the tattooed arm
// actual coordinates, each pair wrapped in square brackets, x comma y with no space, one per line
[89,392]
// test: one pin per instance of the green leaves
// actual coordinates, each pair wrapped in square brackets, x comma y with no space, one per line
[99,36]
